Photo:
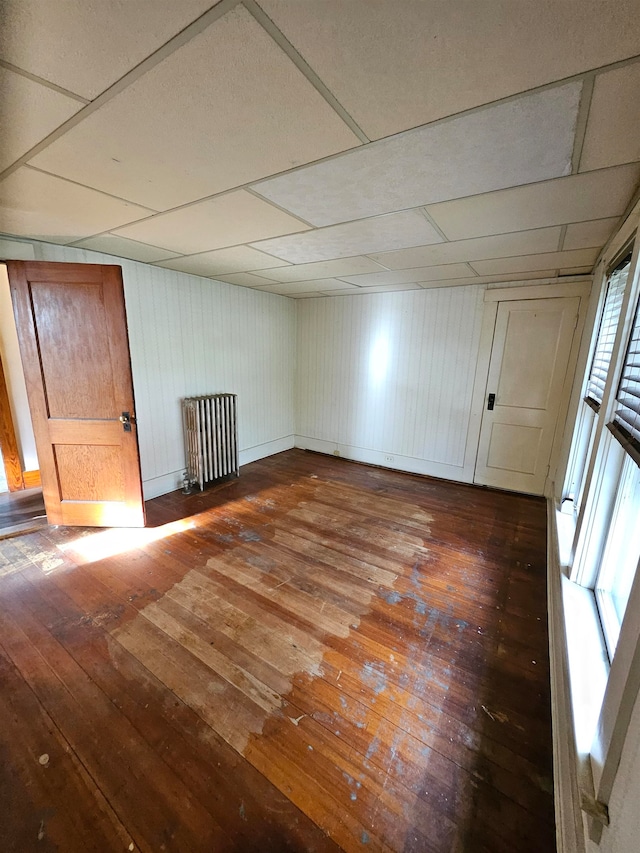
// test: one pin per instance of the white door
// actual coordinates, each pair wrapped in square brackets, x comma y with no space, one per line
[529,359]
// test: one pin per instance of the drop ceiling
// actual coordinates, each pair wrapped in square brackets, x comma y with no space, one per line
[324,147]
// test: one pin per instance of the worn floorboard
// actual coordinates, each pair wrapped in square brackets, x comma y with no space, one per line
[317,656]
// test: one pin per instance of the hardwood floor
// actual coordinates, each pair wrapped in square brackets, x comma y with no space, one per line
[315,657]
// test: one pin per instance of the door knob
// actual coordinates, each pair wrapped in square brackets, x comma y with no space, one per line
[126,420]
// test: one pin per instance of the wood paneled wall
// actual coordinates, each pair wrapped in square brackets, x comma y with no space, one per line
[190,335]
[390,375]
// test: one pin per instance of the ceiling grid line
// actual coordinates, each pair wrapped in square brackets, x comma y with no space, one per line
[561,238]
[92,189]
[582,121]
[169,47]
[414,150]
[250,186]
[302,65]
[434,224]
[42,82]
[247,188]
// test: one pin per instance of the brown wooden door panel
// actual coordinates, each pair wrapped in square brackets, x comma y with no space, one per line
[72,332]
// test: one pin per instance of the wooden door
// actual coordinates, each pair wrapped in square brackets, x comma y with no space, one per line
[529,359]
[72,332]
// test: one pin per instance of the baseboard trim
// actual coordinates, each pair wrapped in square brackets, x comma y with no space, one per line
[409,464]
[31,479]
[269,448]
[154,487]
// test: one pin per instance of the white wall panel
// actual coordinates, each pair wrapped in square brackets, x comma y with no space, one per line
[190,335]
[391,373]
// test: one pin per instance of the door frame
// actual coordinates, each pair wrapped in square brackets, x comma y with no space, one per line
[8,441]
[580,287]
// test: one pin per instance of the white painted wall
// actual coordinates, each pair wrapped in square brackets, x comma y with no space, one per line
[14,376]
[623,833]
[390,375]
[189,335]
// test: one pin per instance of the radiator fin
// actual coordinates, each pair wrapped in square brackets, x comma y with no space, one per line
[211,437]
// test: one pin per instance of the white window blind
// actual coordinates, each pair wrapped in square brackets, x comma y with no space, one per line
[626,418]
[606,334]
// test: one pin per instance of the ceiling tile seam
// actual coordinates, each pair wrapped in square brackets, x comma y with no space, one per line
[130,239]
[91,189]
[373,260]
[467,239]
[279,207]
[254,184]
[221,249]
[344,281]
[41,80]
[174,43]
[214,197]
[635,199]
[516,187]
[303,66]
[561,238]
[582,120]
[434,224]
[250,186]
[459,263]
[421,208]
[534,90]
[384,269]
[177,255]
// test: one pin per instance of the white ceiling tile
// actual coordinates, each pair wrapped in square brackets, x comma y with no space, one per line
[228,220]
[584,235]
[412,275]
[519,142]
[575,198]
[227,108]
[224,261]
[612,135]
[500,246]
[552,260]
[382,233]
[123,248]
[512,278]
[394,66]
[244,279]
[287,288]
[43,207]
[381,288]
[86,46]
[323,269]
[28,113]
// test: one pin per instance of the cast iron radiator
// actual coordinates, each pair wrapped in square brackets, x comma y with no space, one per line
[211,437]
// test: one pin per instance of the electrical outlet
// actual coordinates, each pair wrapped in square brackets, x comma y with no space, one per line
[388,458]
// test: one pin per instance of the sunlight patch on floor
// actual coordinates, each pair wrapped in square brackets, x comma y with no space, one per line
[117,540]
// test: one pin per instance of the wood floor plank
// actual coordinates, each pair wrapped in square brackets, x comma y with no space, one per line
[316,656]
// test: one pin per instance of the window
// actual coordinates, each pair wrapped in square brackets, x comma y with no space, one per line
[621,555]
[596,382]
[607,334]
[626,417]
